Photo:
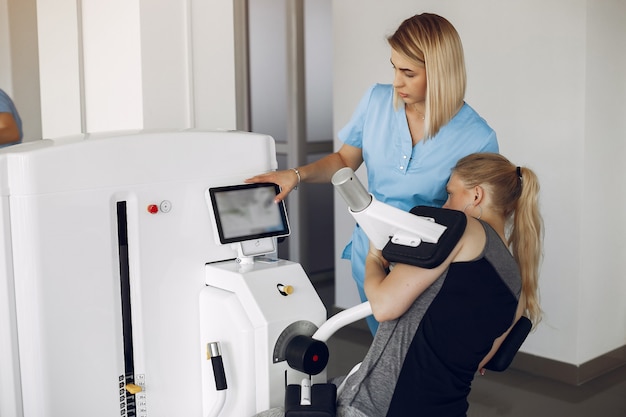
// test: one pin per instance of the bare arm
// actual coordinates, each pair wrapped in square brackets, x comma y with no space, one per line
[319,171]
[9,132]
[391,295]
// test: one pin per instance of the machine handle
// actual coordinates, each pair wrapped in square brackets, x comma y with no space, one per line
[215,355]
[342,319]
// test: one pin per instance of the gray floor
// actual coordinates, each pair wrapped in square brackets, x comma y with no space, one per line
[512,393]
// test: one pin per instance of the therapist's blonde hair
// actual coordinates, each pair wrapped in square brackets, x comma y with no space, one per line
[430,40]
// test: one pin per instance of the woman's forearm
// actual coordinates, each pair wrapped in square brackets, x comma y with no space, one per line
[322,170]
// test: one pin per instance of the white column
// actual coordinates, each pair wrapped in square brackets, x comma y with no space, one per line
[59,67]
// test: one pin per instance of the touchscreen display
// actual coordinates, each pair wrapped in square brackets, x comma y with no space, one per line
[248,212]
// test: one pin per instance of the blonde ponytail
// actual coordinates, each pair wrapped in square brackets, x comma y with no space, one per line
[525,241]
[515,196]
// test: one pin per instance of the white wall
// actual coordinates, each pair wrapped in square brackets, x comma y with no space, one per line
[602,201]
[147,64]
[547,77]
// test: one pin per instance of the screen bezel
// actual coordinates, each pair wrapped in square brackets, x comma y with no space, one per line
[214,191]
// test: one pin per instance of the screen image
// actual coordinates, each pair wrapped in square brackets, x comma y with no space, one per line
[247,212]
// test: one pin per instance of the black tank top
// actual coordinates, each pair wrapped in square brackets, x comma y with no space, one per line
[423,363]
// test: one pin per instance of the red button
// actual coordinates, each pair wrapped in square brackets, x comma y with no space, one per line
[153,208]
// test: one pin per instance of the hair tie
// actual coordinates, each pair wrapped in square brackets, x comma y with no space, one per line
[519,174]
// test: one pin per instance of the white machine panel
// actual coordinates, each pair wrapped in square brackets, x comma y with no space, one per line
[245,310]
[74,212]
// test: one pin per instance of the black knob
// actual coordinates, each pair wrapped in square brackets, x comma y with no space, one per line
[306,354]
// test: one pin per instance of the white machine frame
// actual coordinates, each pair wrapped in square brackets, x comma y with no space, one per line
[107,244]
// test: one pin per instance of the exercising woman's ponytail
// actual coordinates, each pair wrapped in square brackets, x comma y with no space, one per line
[514,194]
[525,240]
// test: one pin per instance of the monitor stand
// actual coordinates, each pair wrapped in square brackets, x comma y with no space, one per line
[247,250]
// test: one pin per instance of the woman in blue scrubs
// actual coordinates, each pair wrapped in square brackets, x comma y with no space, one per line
[409,134]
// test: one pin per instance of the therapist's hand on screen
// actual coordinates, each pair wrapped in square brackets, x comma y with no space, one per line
[286,179]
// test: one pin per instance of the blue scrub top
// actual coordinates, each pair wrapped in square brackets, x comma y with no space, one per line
[7,106]
[399,173]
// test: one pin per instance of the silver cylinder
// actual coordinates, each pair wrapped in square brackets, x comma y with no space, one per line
[350,188]
[214,349]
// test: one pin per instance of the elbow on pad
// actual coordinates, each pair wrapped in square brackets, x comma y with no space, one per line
[430,255]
